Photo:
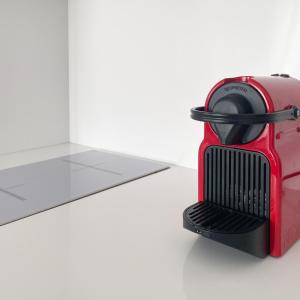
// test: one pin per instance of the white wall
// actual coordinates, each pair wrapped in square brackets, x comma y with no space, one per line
[137,67]
[33,73]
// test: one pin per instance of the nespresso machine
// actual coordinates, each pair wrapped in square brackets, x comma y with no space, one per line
[249,165]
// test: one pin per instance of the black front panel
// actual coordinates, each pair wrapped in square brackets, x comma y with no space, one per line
[238,180]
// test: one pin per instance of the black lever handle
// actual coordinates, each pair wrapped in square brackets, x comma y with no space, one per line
[199,114]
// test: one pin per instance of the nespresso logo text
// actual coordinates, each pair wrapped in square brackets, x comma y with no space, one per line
[235,87]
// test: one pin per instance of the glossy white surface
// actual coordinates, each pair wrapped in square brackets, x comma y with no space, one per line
[128,243]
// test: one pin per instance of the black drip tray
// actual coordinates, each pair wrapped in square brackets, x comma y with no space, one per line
[235,229]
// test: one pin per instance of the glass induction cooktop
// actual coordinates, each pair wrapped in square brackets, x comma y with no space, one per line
[33,188]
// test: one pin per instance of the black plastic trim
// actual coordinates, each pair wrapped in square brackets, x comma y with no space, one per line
[235,229]
[237,179]
[199,114]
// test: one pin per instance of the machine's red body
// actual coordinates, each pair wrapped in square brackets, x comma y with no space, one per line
[280,144]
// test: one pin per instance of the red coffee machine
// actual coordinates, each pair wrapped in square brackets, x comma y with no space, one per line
[249,165]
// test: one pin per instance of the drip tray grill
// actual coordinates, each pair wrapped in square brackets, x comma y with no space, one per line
[216,219]
[235,229]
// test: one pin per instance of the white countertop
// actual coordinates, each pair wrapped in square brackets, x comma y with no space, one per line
[128,243]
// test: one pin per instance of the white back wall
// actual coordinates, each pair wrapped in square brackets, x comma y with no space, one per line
[33,73]
[137,67]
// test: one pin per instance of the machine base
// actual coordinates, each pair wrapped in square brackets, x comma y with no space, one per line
[232,228]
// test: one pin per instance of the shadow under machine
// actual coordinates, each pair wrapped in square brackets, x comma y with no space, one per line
[249,165]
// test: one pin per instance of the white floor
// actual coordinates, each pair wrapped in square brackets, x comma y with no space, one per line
[128,243]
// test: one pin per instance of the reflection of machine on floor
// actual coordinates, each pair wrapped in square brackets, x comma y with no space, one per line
[249,153]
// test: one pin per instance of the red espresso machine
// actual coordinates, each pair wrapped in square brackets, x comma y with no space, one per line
[249,165]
